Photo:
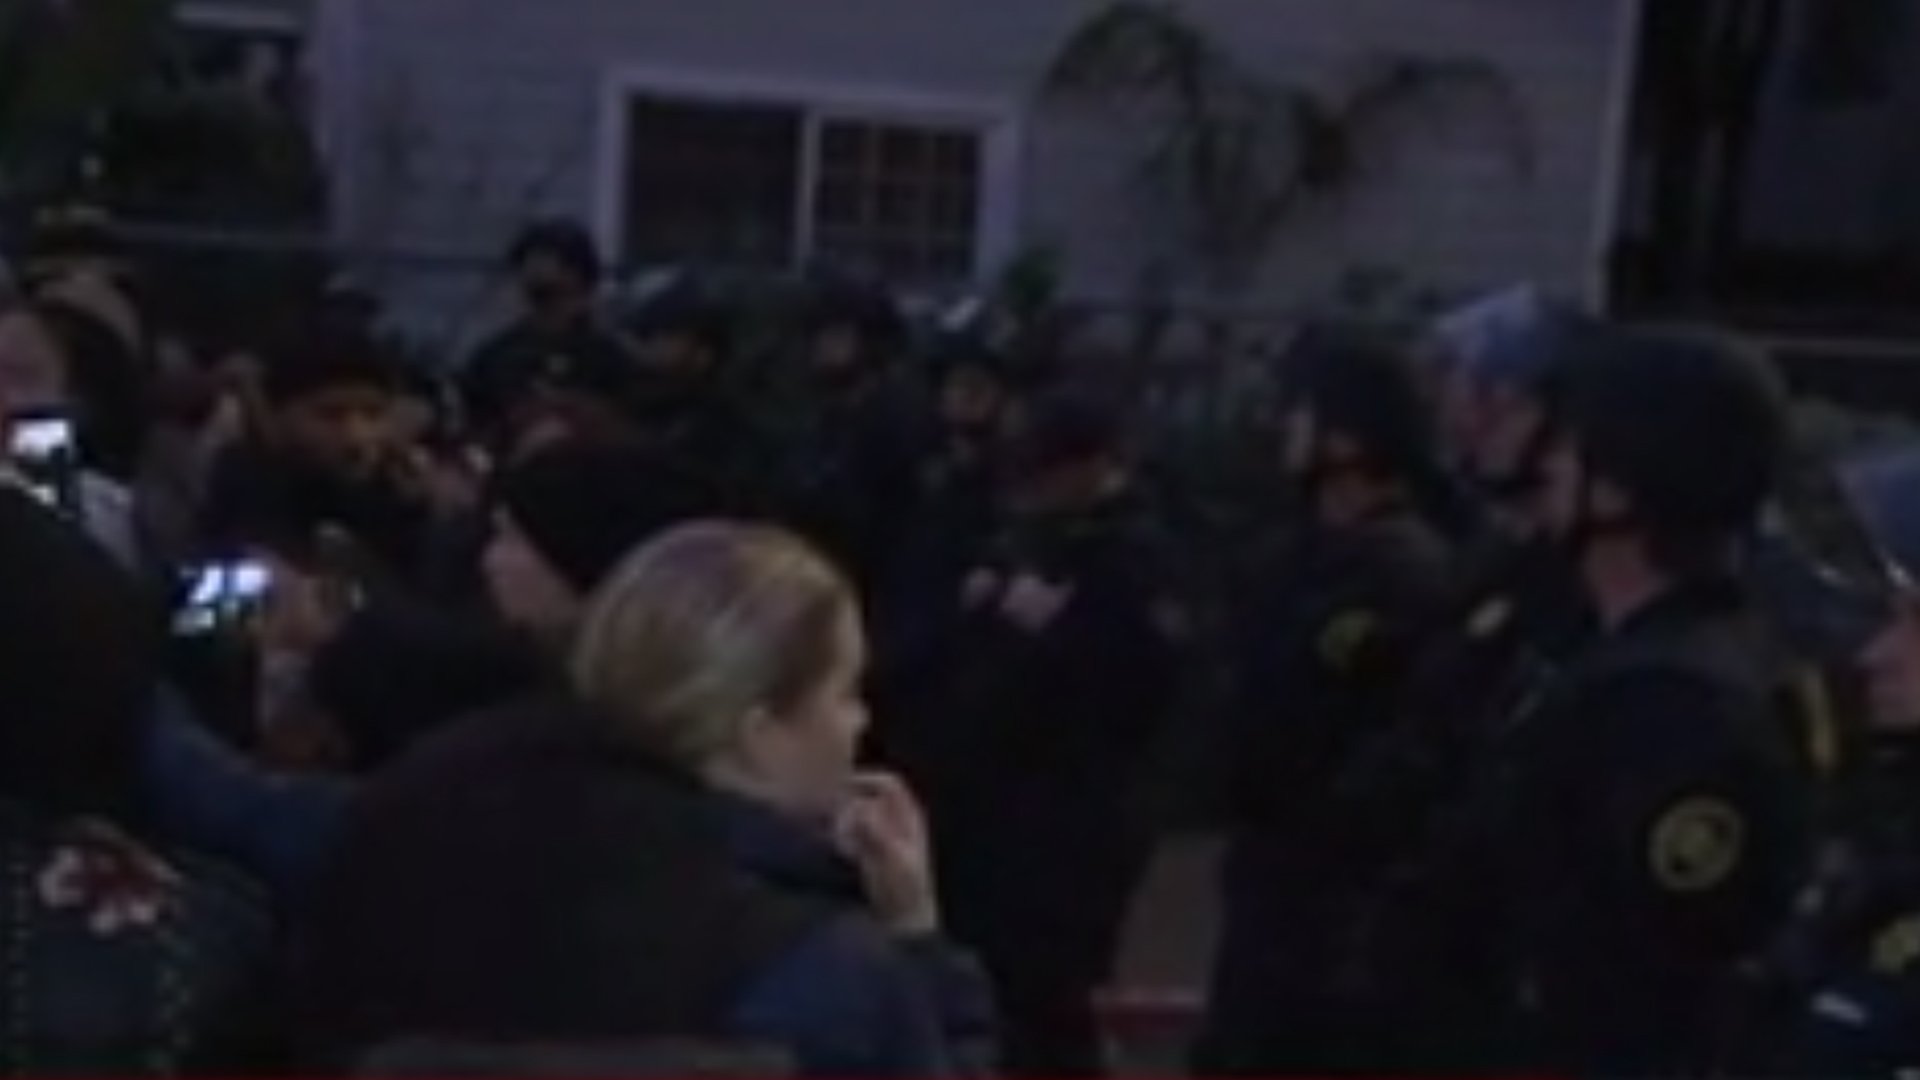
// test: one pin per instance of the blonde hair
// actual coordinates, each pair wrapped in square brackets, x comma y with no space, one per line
[702,627]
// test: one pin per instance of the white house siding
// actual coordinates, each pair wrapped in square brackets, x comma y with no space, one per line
[465,116]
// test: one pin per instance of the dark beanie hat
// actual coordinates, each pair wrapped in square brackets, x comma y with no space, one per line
[80,666]
[328,356]
[1364,387]
[585,505]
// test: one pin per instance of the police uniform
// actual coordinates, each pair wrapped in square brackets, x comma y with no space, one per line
[1844,978]
[1322,668]
[1645,822]
[1838,991]
[1494,651]
[1656,832]
[1030,737]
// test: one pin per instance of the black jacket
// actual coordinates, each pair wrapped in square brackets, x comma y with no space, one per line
[259,496]
[524,879]
[1642,833]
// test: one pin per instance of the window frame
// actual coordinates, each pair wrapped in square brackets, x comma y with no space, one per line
[997,124]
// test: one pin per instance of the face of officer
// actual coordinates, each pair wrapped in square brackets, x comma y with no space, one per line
[1507,424]
[1891,663]
[1573,497]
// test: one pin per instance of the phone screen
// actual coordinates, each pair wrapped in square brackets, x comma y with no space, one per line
[223,595]
[42,449]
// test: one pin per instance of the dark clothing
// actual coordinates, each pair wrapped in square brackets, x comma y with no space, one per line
[1641,831]
[1031,746]
[1838,992]
[122,961]
[263,497]
[525,879]
[400,670]
[853,477]
[701,425]
[1323,676]
[1497,646]
[208,797]
[118,959]
[509,373]
[918,609]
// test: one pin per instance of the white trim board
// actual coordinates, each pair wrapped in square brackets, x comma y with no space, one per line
[1000,122]
[239,15]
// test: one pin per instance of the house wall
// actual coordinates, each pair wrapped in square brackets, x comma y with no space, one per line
[454,119]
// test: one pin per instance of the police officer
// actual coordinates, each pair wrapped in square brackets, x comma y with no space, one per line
[1031,729]
[1517,613]
[853,481]
[955,515]
[684,401]
[1645,824]
[1838,992]
[1322,671]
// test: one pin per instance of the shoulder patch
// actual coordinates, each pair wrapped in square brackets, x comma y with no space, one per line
[1342,636]
[1696,844]
[1896,948]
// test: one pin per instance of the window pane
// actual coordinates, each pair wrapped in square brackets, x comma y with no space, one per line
[711,183]
[843,146]
[903,199]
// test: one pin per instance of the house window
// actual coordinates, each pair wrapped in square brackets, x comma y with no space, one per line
[903,199]
[711,183]
[769,186]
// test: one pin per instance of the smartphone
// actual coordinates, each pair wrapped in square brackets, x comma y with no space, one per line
[45,452]
[223,596]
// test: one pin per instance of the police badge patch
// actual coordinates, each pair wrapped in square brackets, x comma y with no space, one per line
[1696,844]
[1343,636]
[1897,947]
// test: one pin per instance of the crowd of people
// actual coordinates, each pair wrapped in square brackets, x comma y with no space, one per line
[567,713]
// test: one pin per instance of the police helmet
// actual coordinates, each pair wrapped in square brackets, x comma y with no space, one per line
[1695,430]
[1884,489]
[682,308]
[1363,387]
[1515,337]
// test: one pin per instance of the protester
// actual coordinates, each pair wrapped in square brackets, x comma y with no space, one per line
[122,957]
[326,468]
[554,347]
[58,365]
[400,669]
[682,850]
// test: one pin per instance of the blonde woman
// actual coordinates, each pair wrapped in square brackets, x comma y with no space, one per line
[682,849]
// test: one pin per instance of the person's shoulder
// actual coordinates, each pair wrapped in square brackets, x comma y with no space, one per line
[849,998]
